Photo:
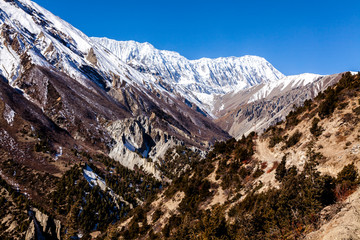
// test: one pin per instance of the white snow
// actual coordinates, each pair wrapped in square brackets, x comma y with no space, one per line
[93,178]
[9,115]
[59,154]
[289,82]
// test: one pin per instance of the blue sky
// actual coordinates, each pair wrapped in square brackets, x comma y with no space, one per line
[295,36]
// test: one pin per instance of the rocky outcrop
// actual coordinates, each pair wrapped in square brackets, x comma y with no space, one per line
[138,143]
[42,226]
[345,225]
[91,57]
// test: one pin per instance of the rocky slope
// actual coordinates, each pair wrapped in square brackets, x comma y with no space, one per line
[259,107]
[344,224]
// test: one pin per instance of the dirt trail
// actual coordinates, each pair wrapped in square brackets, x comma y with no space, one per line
[264,153]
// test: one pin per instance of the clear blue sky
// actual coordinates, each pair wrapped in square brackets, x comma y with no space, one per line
[295,36]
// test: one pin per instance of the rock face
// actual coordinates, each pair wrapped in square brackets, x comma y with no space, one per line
[42,226]
[139,143]
[345,225]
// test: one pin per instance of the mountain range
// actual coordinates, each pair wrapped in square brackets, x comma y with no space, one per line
[120,119]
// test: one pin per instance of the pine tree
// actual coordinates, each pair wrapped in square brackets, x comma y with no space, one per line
[281,170]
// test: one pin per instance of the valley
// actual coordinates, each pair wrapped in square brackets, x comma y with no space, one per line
[106,139]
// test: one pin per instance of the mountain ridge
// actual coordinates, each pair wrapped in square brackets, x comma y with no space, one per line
[209,84]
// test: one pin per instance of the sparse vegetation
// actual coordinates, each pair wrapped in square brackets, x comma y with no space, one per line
[177,160]
[287,212]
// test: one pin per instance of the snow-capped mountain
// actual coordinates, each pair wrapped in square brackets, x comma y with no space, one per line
[205,77]
[49,41]
[264,91]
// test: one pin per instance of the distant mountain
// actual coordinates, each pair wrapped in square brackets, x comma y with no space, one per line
[204,78]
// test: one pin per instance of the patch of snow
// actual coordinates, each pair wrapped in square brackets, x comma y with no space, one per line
[222,107]
[59,154]
[9,114]
[93,178]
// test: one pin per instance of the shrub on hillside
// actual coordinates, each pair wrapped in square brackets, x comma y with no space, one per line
[275,139]
[346,182]
[294,139]
[328,106]
[348,173]
[357,110]
[281,170]
[315,129]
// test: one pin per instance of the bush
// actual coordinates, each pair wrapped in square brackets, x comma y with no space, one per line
[156,215]
[291,118]
[348,173]
[281,170]
[275,139]
[357,110]
[315,129]
[343,105]
[258,173]
[294,139]
[346,181]
[328,106]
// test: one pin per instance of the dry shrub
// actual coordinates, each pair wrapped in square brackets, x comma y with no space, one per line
[344,190]
[264,165]
[274,166]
